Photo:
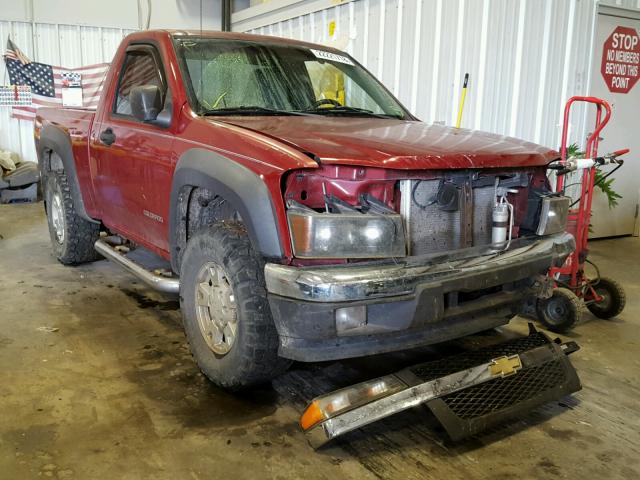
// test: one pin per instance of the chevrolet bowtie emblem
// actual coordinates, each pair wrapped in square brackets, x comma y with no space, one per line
[505,366]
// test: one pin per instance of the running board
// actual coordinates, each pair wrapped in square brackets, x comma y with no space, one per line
[155,280]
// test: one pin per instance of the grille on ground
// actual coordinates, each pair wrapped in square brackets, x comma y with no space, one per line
[501,393]
[474,409]
[448,365]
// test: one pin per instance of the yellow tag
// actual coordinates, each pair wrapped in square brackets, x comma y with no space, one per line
[332,28]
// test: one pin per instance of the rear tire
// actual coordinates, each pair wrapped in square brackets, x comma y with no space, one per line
[72,237]
[560,312]
[613,301]
[227,318]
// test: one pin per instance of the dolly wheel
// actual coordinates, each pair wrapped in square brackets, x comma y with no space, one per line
[613,298]
[560,312]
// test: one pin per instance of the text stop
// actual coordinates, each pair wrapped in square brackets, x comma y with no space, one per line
[621,60]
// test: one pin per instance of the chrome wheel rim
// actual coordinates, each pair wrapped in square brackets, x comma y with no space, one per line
[216,310]
[57,217]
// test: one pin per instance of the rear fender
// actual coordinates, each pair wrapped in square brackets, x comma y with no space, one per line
[55,139]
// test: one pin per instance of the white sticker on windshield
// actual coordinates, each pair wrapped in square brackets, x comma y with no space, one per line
[334,57]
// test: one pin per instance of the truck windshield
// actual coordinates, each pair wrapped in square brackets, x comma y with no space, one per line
[237,77]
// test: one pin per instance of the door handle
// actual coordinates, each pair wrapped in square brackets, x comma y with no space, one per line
[107,136]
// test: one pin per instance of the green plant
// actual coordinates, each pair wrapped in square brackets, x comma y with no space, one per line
[605,185]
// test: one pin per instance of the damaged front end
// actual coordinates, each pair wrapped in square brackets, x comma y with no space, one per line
[341,212]
[388,260]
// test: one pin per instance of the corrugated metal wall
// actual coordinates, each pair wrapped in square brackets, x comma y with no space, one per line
[525,58]
[65,45]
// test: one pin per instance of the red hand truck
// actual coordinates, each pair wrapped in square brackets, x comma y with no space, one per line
[574,290]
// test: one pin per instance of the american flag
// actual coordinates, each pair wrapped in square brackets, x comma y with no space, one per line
[46,81]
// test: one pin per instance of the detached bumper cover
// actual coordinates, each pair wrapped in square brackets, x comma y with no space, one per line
[410,302]
[468,392]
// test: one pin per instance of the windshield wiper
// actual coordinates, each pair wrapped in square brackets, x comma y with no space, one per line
[250,110]
[346,110]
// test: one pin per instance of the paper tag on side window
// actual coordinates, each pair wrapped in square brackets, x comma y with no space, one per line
[333,57]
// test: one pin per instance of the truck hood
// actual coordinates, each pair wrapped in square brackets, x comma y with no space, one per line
[395,144]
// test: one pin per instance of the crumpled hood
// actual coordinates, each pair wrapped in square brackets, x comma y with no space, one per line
[395,144]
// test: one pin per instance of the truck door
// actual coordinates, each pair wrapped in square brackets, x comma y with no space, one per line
[133,159]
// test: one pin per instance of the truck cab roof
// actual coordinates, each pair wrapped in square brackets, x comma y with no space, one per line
[146,34]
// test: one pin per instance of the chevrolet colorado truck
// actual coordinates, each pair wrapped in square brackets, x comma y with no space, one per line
[299,210]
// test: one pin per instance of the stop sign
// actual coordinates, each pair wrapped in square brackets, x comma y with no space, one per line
[621,59]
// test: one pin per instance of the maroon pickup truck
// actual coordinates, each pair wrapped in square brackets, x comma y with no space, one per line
[299,210]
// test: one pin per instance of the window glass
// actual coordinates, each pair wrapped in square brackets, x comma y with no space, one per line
[330,83]
[139,69]
[222,75]
[229,79]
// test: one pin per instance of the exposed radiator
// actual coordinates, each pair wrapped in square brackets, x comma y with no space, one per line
[430,229]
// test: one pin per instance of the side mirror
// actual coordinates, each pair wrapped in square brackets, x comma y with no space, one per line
[146,102]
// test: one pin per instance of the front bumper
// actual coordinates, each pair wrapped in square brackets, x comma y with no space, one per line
[467,392]
[410,302]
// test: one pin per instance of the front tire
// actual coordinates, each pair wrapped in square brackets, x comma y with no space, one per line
[560,312]
[613,299]
[72,237]
[227,318]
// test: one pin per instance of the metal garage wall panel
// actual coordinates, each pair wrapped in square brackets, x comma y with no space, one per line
[46,44]
[525,58]
[66,45]
[92,43]
[629,4]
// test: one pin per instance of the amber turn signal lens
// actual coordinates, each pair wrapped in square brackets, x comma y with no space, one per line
[340,401]
[311,416]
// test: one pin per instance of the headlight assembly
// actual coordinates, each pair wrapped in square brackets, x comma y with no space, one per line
[546,213]
[345,235]
[553,215]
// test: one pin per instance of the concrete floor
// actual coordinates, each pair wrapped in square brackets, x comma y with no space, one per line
[97,382]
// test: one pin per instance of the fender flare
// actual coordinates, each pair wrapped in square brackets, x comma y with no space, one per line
[241,187]
[57,140]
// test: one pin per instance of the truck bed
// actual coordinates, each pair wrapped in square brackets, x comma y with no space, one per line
[77,122]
